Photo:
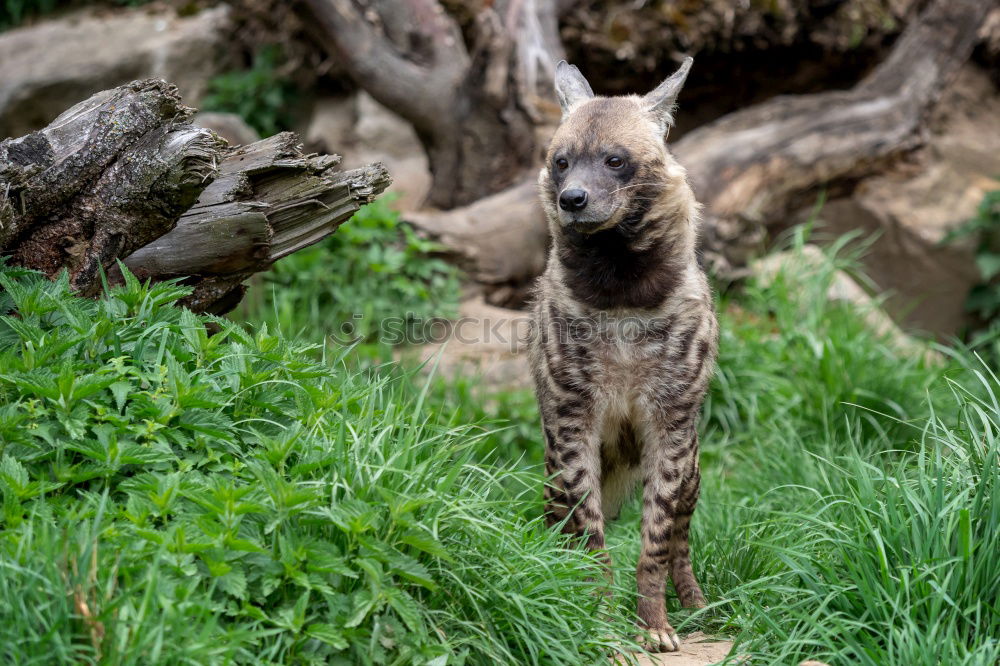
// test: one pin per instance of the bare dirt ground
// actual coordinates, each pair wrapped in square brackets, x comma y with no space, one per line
[697,649]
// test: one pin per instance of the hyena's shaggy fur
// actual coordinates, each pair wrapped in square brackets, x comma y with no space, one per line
[624,345]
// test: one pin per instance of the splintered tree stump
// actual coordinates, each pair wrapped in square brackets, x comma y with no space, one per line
[125,176]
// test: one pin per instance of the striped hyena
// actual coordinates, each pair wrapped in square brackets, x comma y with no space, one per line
[625,335]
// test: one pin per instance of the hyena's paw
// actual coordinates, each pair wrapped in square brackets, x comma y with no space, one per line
[661,640]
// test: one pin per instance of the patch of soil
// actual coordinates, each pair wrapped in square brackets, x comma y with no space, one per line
[697,649]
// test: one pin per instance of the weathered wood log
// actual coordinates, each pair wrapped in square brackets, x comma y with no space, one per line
[267,202]
[123,175]
[752,167]
[106,177]
[500,239]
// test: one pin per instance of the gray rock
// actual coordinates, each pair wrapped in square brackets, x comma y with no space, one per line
[801,266]
[912,208]
[47,67]
[331,126]
[229,126]
[363,131]
[485,342]
[381,130]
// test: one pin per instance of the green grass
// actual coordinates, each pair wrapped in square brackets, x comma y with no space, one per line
[170,497]
[851,502]
[850,509]
[275,503]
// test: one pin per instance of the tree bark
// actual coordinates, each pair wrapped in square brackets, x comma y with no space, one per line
[751,168]
[475,99]
[500,239]
[124,176]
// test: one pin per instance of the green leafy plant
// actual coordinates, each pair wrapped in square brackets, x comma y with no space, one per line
[172,496]
[159,482]
[260,94]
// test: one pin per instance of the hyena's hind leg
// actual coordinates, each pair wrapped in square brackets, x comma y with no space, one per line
[621,457]
[688,591]
[617,486]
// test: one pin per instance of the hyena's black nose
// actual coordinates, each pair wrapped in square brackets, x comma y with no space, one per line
[573,200]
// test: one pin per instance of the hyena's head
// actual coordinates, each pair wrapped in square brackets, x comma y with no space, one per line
[608,163]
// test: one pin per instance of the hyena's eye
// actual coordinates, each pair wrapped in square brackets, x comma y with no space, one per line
[562,164]
[615,162]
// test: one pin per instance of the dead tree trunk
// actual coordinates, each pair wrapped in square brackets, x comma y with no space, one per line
[475,100]
[751,168]
[123,175]
[754,167]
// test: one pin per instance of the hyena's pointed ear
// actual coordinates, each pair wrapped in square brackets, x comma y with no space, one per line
[571,87]
[663,99]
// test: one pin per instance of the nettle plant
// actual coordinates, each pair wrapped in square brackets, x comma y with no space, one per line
[173,496]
